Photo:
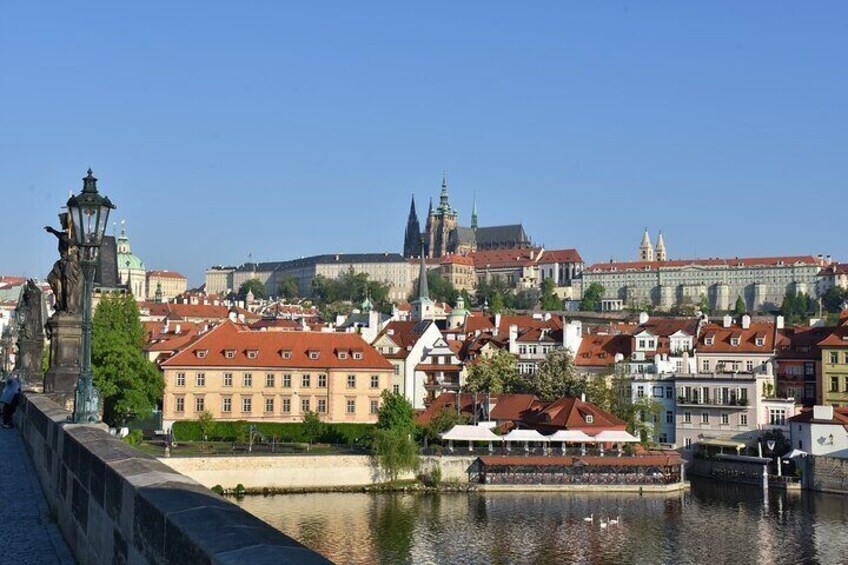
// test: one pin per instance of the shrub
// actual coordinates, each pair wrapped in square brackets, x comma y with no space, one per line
[134,438]
[218,489]
[287,432]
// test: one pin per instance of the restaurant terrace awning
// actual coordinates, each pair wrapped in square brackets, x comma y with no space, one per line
[470,433]
[525,435]
[615,436]
[729,443]
[576,436]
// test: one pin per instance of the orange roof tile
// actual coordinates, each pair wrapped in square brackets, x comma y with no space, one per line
[735,262]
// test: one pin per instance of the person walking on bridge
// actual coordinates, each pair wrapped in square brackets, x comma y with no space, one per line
[9,398]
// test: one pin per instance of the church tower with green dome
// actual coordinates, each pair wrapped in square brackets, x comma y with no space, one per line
[131,271]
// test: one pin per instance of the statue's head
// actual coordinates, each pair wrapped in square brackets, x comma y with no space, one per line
[63,220]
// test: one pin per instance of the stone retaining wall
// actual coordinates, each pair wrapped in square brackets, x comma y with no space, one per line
[825,474]
[116,505]
[730,471]
[303,471]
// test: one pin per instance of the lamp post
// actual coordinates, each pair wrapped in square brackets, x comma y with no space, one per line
[771,445]
[88,212]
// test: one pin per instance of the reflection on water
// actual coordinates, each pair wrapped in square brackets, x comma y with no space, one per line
[713,523]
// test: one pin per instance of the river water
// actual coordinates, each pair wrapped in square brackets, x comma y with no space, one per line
[713,523]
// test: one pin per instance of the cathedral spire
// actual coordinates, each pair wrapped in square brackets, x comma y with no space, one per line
[444,203]
[474,213]
[662,254]
[413,232]
[646,250]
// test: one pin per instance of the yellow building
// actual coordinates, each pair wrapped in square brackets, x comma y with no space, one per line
[165,285]
[236,373]
[834,351]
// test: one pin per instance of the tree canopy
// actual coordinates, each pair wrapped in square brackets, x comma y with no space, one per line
[441,289]
[351,289]
[254,286]
[833,299]
[130,385]
[592,297]
[795,307]
[287,288]
[740,308]
[550,301]
[396,413]
[495,374]
[612,391]
[555,377]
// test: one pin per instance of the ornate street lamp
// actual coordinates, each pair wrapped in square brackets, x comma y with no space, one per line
[88,212]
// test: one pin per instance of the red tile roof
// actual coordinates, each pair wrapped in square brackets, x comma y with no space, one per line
[457,260]
[560,256]
[599,350]
[270,345]
[840,416]
[507,407]
[175,311]
[570,414]
[747,338]
[404,335]
[504,258]
[801,342]
[612,461]
[838,337]
[735,262]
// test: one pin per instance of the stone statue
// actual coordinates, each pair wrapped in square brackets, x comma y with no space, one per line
[30,333]
[66,276]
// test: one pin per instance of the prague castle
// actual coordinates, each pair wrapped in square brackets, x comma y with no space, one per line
[443,235]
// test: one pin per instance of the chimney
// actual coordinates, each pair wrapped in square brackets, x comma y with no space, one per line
[497,322]
[746,321]
[513,335]
[779,322]
[727,321]
[582,397]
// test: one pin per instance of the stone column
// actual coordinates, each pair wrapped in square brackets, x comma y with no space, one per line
[65,331]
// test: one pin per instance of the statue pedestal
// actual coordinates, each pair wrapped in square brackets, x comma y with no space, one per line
[30,353]
[65,331]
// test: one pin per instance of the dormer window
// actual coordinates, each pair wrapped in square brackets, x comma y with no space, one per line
[252,354]
[709,341]
[734,341]
[313,354]
[229,353]
[341,354]
[201,353]
[761,341]
[285,354]
[590,419]
[357,355]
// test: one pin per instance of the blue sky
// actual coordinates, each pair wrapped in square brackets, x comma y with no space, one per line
[285,129]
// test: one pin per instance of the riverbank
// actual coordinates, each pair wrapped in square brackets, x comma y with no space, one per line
[637,489]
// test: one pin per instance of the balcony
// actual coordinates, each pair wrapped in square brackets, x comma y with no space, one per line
[732,403]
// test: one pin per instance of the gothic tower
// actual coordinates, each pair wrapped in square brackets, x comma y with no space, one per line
[662,255]
[442,223]
[646,250]
[474,214]
[412,237]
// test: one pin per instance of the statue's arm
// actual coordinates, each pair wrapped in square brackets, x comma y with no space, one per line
[49,229]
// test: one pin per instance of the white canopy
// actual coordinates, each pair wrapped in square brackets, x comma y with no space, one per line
[571,436]
[615,436]
[524,435]
[470,433]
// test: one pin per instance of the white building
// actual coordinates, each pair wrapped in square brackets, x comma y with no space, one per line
[821,431]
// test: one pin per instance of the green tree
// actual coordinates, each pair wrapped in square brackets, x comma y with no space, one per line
[396,452]
[129,384]
[446,419]
[795,307]
[351,288]
[740,308]
[206,422]
[313,427]
[555,377]
[254,286]
[592,297]
[396,413]
[287,288]
[495,374]
[833,299]
[644,420]
[497,304]
[550,301]
[525,299]
[612,391]
[441,289]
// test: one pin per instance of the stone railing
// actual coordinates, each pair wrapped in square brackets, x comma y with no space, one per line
[114,504]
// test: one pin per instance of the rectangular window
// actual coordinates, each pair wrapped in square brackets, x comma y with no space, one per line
[687,443]
[226,405]
[246,404]
[322,381]
[669,392]
[669,417]
[834,384]
[396,389]
[269,405]
[743,419]
[247,380]
[375,406]
[640,391]
[705,366]
[351,381]
[180,379]
[304,405]
[270,380]
[725,419]
[322,405]
[306,381]
[834,357]
[286,381]
[397,369]
[705,418]
[749,366]
[228,379]
[286,405]
[351,406]
[687,417]
[375,381]
[846,358]
[199,404]
[179,404]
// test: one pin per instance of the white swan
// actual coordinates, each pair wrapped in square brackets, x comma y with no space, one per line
[603,524]
[590,518]
[615,520]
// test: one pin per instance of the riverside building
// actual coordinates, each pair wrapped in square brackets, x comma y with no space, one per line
[236,373]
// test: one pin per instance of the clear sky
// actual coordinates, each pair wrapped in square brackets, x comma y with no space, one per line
[285,129]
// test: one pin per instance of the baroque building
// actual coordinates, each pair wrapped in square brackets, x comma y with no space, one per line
[131,271]
[444,236]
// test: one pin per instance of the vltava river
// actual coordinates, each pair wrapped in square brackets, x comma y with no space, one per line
[712,524]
